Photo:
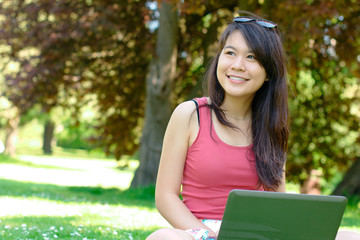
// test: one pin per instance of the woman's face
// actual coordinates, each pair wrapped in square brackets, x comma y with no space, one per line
[238,71]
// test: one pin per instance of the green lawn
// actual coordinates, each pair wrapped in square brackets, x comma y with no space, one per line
[73,195]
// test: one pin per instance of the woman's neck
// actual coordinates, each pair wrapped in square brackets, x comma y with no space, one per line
[237,108]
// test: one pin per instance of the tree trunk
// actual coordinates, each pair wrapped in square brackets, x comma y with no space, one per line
[48,136]
[11,135]
[350,184]
[159,85]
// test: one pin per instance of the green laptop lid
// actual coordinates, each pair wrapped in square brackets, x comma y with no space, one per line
[281,216]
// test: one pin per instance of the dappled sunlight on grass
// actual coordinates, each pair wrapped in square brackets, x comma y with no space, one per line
[13,161]
[351,218]
[45,197]
[67,172]
[76,219]
[77,194]
[36,207]
[94,214]
[59,152]
[49,197]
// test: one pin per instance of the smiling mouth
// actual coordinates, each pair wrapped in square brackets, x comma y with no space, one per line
[237,78]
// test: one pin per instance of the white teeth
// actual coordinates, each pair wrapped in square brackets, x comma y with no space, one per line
[236,78]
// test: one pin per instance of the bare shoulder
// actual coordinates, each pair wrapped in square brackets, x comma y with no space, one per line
[184,119]
[184,110]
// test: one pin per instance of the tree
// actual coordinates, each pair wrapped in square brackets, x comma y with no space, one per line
[48,136]
[11,135]
[67,51]
[159,86]
[350,182]
[325,132]
[77,49]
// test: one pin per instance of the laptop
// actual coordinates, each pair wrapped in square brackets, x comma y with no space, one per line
[282,216]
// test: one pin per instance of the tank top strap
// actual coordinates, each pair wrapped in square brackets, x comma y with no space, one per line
[204,112]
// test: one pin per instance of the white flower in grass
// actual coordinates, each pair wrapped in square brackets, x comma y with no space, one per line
[130,236]
[55,236]
[52,228]
[7,227]
[75,234]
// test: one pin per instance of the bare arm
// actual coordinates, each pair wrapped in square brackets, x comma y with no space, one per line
[182,126]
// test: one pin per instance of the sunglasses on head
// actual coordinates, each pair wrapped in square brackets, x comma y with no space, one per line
[261,22]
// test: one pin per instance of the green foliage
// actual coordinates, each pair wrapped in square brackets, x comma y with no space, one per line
[322,42]
[324,131]
[64,51]
[76,136]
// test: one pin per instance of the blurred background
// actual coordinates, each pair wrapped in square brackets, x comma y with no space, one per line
[90,82]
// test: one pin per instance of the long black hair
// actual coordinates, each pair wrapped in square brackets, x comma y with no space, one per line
[270,118]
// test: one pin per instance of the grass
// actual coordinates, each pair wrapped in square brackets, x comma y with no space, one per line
[74,195]
[351,218]
[57,197]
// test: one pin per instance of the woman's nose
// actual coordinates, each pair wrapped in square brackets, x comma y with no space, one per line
[238,64]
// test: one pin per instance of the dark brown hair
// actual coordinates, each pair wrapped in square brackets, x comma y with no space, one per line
[270,119]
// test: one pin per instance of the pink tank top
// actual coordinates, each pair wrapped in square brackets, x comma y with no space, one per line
[213,168]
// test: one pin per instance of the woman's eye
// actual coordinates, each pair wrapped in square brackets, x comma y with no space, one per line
[251,57]
[230,53]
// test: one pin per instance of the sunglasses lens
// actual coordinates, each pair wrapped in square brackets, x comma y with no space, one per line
[266,24]
[243,19]
[262,22]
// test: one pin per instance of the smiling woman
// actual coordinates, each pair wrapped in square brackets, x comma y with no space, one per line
[234,138]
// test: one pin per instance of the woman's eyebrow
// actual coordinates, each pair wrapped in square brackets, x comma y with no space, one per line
[235,49]
[231,47]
